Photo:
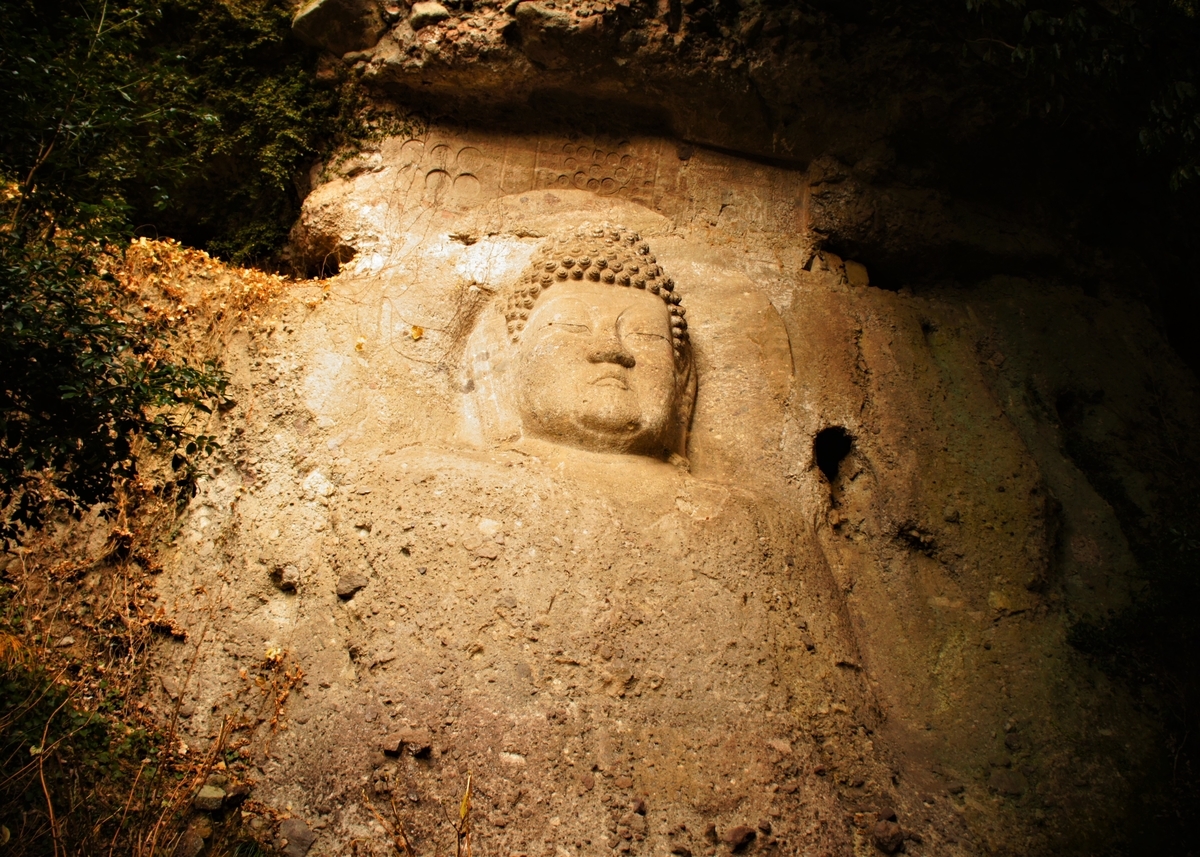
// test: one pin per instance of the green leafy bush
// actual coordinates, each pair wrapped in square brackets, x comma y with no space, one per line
[83,377]
[186,117]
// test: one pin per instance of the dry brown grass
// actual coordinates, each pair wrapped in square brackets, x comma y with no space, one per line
[90,762]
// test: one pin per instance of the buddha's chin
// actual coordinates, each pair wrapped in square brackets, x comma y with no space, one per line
[617,431]
[606,419]
[610,425]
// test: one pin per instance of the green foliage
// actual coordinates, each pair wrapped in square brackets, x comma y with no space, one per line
[190,118]
[83,377]
[187,117]
[241,116]
[1175,128]
[56,758]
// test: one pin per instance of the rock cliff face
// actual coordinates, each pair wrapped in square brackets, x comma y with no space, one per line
[839,624]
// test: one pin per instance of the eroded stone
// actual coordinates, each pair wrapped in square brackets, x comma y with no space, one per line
[295,838]
[209,798]
[427,12]
[339,26]
[349,584]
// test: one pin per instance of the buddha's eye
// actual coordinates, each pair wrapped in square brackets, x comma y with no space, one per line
[643,336]
[569,326]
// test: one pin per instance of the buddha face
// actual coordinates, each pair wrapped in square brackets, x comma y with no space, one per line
[596,369]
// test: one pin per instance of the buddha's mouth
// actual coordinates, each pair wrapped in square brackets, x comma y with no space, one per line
[611,380]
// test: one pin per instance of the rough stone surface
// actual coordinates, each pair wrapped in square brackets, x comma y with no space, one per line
[739,837]
[426,13]
[295,838]
[719,621]
[760,78]
[190,844]
[888,836]
[339,26]
[1008,782]
[209,798]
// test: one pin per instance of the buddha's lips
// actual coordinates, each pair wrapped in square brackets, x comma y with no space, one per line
[610,380]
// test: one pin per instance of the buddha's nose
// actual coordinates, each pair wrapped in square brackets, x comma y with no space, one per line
[608,348]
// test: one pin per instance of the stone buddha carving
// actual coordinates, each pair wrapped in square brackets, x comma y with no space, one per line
[603,358]
[624,658]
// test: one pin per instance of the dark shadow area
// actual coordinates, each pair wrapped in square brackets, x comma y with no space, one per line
[1149,646]
[1120,227]
[830,447]
[550,111]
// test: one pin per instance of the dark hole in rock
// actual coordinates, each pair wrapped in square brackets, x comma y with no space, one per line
[830,446]
[928,330]
[331,263]
[511,34]
[1072,406]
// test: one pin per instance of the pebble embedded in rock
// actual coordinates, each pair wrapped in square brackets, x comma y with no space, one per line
[739,837]
[349,584]
[201,826]
[1000,759]
[288,578]
[634,822]
[426,13]
[856,274]
[750,30]
[209,798]
[888,836]
[418,743]
[488,550]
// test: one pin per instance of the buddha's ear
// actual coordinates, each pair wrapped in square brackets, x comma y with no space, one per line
[685,402]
